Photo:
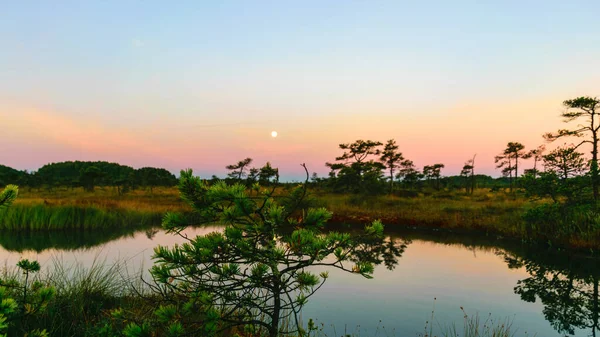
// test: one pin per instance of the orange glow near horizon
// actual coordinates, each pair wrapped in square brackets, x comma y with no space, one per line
[447,135]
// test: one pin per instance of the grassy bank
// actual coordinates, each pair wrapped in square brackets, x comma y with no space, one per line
[76,209]
[484,212]
[41,217]
[490,213]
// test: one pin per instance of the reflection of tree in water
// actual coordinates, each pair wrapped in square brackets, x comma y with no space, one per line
[385,250]
[566,285]
[60,240]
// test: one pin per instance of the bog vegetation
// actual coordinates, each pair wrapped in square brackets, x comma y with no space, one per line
[253,277]
[550,198]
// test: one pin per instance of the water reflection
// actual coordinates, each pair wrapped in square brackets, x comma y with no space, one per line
[566,285]
[481,273]
[61,240]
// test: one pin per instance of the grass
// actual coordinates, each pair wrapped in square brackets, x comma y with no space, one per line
[475,326]
[489,213]
[100,210]
[496,213]
[82,297]
[86,299]
[484,211]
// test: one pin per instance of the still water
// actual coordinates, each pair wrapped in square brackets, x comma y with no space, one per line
[542,292]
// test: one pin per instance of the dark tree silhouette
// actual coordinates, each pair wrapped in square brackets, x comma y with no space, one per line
[508,160]
[567,286]
[355,170]
[268,175]
[433,172]
[89,177]
[537,155]
[409,174]
[238,171]
[583,108]
[565,161]
[391,158]
[468,173]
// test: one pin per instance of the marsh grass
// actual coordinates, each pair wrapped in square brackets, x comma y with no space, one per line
[83,296]
[41,217]
[473,326]
[77,209]
[491,213]
[483,211]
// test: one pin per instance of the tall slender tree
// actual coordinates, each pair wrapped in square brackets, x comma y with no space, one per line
[433,172]
[468,172]
[238,171]
[391,158]
[409,174]
[538,155]
[587,108]
[508,160]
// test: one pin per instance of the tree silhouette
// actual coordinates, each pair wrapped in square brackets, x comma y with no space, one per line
[508,160]
[89,177]
[537,154]
[468,173]
[268,175]
[583,108]
[238,171]
[567,286]
[565,161]
[355,170]
[391,158]
[433,172]
[408,173]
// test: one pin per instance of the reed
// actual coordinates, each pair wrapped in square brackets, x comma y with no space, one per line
[38,217]
[490,213]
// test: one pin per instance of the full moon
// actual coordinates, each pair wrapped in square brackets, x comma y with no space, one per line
[273,134]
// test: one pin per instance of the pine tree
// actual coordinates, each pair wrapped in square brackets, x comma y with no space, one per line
[255,272]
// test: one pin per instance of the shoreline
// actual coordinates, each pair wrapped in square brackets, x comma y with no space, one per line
[484,213]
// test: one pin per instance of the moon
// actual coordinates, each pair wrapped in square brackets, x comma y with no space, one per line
[273,134]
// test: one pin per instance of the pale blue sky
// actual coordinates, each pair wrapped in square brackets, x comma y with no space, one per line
[154,67]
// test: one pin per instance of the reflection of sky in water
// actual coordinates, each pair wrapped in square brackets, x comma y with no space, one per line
[402,299]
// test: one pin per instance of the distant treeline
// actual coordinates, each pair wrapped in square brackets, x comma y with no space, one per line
[364,169]
[88,175]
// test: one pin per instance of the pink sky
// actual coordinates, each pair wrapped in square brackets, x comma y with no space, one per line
[203,84]
[433,134]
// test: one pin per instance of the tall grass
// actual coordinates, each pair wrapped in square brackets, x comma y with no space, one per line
[493,213]
[64,217]
[85,298]
[483,211]
[473,326]
[77,209]
[82,297]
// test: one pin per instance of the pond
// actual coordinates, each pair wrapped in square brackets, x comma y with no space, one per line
[542,292]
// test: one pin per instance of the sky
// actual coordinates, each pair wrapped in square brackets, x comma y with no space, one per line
[201,84]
